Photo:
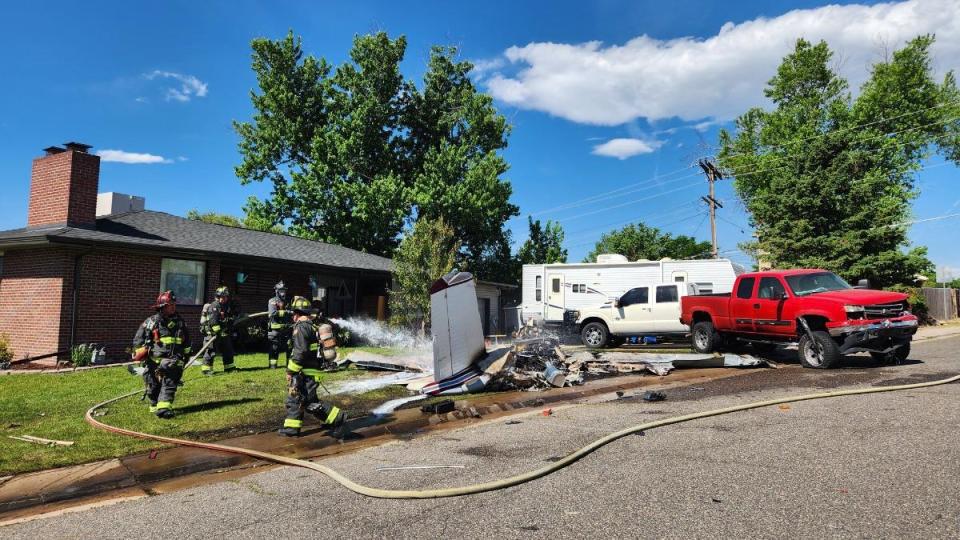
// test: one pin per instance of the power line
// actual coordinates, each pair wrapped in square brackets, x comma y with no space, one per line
[647,218]
[585,214]
[614,192]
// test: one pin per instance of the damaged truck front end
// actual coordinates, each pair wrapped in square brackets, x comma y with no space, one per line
[876,336]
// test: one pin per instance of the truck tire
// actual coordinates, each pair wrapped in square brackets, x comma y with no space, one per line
[705,337]
[821,352]
[595,335]
[893,357]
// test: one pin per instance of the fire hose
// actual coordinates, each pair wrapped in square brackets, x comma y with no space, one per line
[504,482]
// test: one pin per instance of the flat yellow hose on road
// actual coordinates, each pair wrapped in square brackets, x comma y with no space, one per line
[496,484]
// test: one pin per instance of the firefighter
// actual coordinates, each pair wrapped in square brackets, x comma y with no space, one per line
[162,344]
[217,324]
[279,321]
[303,374]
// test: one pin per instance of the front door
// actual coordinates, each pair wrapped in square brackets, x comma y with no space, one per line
[768,308]
[632,315]
[555,304]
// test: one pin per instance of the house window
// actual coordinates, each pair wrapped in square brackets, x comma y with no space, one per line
[705,288]
[185,278]
[666,294]
[539,288]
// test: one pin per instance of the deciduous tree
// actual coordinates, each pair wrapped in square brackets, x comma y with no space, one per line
[640,241]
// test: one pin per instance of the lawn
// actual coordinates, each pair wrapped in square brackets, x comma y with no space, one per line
[209,408]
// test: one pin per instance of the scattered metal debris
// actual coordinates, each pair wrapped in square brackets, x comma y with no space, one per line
[654,395]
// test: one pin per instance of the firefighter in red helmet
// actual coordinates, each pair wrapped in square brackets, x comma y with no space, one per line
[162,344]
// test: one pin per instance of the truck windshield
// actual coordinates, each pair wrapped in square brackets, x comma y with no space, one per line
[805,284]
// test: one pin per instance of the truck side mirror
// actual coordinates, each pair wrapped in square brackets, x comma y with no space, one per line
[863,284]
[616,302]
[784,295]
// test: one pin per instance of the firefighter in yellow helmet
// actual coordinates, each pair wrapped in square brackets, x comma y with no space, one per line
[303,373]
[162,345]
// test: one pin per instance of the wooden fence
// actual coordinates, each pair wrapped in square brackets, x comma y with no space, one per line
[942,303]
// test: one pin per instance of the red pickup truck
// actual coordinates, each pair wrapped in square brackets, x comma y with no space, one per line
[819,309]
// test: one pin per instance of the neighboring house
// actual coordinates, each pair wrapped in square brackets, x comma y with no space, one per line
[75,275]
[491,301]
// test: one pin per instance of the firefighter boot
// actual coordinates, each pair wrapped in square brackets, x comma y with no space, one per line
[289,432]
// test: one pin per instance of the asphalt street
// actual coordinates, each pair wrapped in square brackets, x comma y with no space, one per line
[878,466]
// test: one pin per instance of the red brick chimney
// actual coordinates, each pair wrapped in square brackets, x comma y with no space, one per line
[63,187]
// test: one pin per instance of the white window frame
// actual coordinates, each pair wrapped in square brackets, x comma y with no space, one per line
[539,288]
[199,269]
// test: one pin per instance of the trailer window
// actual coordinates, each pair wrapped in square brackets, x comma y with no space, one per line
[539,288]
[705,288]
[745,288]
[556,285]
[666,294]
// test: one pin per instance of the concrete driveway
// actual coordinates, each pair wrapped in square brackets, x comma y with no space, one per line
[882,465]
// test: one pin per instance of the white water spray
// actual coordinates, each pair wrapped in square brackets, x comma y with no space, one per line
[377,334]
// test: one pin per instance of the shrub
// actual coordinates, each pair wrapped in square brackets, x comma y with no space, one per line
[82,355]
[918,303]
[6,355]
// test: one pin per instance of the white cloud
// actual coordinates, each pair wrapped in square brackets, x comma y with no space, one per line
[625,148]
[718,77]
[188,88]
[120,156]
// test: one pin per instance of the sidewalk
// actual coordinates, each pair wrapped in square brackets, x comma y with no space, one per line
[947,329]
[139,475]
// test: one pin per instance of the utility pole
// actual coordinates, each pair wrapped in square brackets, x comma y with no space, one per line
[713,174]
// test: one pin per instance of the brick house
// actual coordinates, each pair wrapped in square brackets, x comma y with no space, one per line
[83,272]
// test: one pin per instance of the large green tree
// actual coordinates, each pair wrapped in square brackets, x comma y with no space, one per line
[544,245]
[427,252]
[640,241]
[827,178]
[356,152]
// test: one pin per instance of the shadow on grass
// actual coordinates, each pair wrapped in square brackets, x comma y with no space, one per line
[211,405]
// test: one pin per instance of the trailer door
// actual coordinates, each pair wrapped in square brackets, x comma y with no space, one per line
[555,302]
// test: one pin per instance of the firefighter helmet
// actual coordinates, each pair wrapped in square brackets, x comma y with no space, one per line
[166,297]
[301,305]
[222,291]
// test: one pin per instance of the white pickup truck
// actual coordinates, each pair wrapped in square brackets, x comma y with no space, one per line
[646,310]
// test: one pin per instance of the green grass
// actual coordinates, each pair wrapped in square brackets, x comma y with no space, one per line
[209,408]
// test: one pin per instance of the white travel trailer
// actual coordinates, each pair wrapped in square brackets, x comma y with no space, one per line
[551,289]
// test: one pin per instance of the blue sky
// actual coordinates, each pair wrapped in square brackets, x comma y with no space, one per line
[602,96]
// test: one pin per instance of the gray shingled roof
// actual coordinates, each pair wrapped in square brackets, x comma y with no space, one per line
[169,232]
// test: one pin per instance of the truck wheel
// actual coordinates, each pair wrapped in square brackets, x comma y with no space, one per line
[893,357]
[595,335]
[821,352]
[705,337]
